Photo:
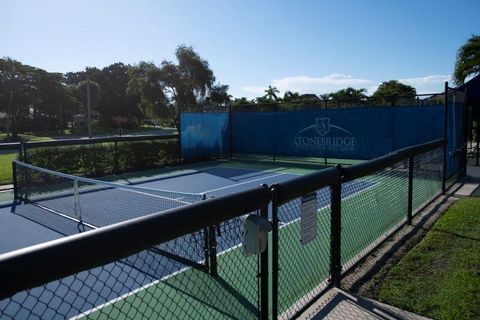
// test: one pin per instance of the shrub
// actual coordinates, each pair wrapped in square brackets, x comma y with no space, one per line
[100,159]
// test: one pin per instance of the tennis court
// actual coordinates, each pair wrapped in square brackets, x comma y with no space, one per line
[59,202]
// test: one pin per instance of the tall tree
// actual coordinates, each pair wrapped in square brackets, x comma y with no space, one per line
[271,93]
[219,95]
[468,60]
[145,83]
[17,82]
[290,96]
[391,91]
[349,96]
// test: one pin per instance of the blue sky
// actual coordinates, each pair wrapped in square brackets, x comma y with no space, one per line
[305,46]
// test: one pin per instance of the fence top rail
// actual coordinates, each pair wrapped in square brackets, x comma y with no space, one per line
[67,142]
[101,246]
[10,145]
[291,189]
[380,163]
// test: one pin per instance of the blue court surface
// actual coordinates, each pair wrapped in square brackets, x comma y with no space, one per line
[32,224]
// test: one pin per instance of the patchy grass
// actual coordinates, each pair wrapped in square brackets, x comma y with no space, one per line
[440,276]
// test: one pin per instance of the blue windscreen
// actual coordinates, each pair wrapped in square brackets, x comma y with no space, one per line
[351,133]
[204,134]
[354,133]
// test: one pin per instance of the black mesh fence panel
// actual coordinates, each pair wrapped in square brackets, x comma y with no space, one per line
[303,267]
[371,207]
[427,177]
[148,285]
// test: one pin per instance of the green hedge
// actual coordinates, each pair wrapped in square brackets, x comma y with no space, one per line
[101,159]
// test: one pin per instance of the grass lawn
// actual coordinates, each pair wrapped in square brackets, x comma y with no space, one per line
[440,276]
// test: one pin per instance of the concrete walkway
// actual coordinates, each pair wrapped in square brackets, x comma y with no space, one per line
[337,304]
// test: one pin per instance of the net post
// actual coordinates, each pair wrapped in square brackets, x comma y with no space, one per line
[264,306]
[275,262]
[115,157]
[445,136]
[336,232]
[410,190]
[15,182]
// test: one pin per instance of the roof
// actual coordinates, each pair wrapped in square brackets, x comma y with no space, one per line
[473,90]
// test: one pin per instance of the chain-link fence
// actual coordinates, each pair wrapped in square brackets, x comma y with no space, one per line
[132,270]
[8,153]
[103,156]
[190,262]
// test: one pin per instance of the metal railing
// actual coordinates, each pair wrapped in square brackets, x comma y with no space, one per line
[112,271]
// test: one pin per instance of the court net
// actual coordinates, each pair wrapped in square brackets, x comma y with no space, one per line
[95,203]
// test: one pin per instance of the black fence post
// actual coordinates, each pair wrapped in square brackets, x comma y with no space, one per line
[477,146]
[445,136]
[206,248]
[212,247]
[275,253]
[466,125]
[264,306]
[179,129]
[410,190]
[23,151]
[274,146]
[230,131]
[15,182]
[336,233]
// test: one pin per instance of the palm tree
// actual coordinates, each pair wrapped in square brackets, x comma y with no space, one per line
[468,60]
[271,93]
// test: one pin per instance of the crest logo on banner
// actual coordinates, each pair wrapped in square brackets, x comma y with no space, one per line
[323,126]
[324,136]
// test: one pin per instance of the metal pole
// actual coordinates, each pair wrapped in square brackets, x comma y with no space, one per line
[89,109]
[115,155]
[206,250]
[179,129]
[410,190]
[275,253]
[212,245]
[466,126]
[15,182]
[264,276]
[477,147]
[336,234]
[445,136]
[230,126]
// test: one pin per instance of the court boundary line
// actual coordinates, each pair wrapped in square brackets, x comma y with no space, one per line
[127,294]
[154,283]
[245,182]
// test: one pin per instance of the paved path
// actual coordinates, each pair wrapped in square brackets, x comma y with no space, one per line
[337,304]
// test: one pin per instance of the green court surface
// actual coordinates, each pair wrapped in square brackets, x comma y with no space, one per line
[367,215]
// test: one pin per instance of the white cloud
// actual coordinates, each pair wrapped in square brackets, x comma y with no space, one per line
[427,84]
[317,85]
[336,81]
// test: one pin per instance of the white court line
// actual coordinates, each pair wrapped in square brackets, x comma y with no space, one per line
[326,206]
[126,295]
[238,184]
